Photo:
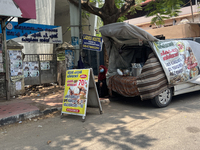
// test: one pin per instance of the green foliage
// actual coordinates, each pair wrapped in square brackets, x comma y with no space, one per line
[132,11]
[163,9]
[134,8]
[122,18]
[119,4]
[159,9]
[98,34]
[85,14]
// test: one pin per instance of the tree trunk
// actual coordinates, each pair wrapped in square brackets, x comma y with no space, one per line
[109,13]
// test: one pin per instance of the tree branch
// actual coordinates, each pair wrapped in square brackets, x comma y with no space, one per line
[126,7]
[88,7]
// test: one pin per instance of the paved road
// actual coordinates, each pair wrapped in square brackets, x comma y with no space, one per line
[125,124]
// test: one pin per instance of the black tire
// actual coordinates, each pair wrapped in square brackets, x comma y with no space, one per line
[163,99]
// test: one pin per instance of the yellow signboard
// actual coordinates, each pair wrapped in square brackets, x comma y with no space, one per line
[76,92]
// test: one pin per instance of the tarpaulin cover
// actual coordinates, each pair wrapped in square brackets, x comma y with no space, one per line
[152,81]
[121,31]
[173,61]
[126,86]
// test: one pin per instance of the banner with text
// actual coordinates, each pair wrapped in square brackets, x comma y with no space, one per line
[33,33]
[76,92]
[178,60]
[93,43]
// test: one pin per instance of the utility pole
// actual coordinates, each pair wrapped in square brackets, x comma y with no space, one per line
[98,58]
[80,29]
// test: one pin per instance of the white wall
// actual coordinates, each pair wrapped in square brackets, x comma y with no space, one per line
[45,12]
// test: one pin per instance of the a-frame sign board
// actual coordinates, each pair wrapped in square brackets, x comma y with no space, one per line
[80,92]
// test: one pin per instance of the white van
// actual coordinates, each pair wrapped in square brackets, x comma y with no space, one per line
[169,67]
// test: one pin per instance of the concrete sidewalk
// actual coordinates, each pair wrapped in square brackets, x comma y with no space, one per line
[36,102]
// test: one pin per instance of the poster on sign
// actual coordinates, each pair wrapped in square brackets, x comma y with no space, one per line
[80,91]
[26,69]
[15,62]
[178,60]
[31,69]
[45,65]
[34,69]
[69,59]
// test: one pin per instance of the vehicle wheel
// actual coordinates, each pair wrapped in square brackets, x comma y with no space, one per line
[163,99]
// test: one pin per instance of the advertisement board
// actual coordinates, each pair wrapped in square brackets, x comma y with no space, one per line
[33,33]
[178,60]
[76,92]
[93,43]
[80,92]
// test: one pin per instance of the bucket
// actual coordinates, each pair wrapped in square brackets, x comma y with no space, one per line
[136,71]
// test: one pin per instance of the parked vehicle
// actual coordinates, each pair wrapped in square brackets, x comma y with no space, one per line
[168,67]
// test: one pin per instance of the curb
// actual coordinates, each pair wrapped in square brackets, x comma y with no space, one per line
[35,113]
[28,115]
[20,117]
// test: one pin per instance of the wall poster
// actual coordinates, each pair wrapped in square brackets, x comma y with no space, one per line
[31,69]
[15,62]
[18,85]
[69,59]
[45,65]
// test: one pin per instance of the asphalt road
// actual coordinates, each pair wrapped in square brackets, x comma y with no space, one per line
[125,124]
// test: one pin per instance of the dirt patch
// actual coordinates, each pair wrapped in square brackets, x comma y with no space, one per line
[42,91]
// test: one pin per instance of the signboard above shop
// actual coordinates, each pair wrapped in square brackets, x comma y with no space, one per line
[18,8]
[93,43]
[34,33]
